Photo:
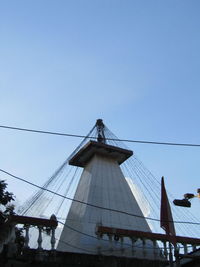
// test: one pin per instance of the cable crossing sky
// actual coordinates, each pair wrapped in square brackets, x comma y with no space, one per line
[89,204]
[92,137]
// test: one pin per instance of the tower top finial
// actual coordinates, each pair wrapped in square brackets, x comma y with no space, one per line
[99,122]
[100,131]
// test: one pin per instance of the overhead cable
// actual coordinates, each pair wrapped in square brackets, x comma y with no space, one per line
[92,137]
[89,204]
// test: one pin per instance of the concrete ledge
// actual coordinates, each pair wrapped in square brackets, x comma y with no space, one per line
[45,258]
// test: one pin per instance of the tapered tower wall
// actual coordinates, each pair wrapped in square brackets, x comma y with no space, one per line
[103,185]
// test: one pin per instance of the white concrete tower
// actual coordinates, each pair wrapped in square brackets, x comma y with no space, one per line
[102,184]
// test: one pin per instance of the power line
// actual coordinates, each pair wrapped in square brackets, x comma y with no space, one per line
[89,204]
[92,137]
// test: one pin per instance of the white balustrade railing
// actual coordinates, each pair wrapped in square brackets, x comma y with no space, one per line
[39,223]
[162,246]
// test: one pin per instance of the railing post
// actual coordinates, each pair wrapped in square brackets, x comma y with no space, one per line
[53,239]
[170,255]
[99,237]
[39,238]
[165,249]
[185,248]
[176,255]
[26,238]
[133,240]
[194,247]
[110,241]
[144,247]
[122,243]
[154,248]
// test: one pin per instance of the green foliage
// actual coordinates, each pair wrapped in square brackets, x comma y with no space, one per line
[7,209]
[5,196]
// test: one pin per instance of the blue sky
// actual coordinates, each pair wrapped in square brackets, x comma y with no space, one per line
[63,64]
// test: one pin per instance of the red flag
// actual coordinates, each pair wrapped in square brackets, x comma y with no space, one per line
[166,219]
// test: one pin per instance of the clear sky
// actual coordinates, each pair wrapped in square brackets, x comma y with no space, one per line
[133,63]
